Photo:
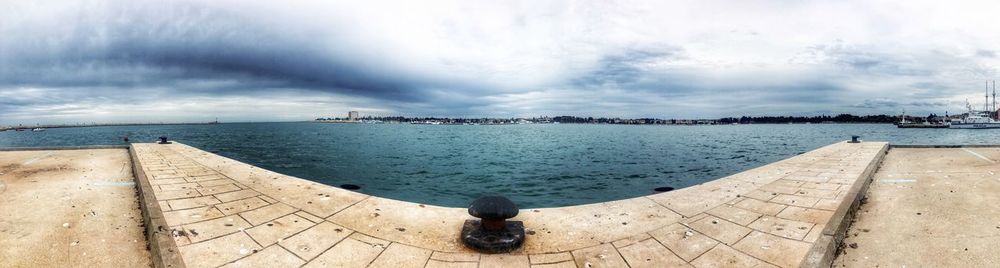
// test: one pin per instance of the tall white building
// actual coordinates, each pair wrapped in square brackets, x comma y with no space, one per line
[352,115]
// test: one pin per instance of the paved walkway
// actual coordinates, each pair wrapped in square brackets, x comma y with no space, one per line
[69,208]
[932,207]
[227,213]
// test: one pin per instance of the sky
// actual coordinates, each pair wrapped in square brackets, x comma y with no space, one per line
[194,61]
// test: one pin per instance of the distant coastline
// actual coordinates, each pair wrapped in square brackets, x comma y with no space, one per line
[22,127]
[821,119]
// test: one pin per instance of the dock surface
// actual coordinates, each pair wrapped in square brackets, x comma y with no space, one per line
[69,208]
[221,212]
[929,207]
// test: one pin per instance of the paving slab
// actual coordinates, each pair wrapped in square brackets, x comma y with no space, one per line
[349,253]
[650,253]
[313,241]
[279,229]
[270,257]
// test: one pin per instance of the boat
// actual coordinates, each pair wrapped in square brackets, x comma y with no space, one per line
[975,120]
[926,124]
[979,119]
[38,129]
[923,125]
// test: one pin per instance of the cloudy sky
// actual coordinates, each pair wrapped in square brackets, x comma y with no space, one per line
[142,61]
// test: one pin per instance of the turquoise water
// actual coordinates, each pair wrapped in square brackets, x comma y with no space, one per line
[534,165]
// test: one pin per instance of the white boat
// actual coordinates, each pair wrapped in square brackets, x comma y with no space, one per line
[979,119]
[37,129]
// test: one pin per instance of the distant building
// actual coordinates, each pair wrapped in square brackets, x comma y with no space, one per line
[352,115]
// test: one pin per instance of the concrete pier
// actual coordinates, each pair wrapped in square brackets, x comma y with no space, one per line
[69,208]
[929,207]
[220,212]
[202,210]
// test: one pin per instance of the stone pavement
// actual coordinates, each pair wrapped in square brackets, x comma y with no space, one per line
[226,213]
[929,207]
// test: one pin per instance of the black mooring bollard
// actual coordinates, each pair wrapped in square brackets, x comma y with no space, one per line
[493,233]
[163,140]
[854,139]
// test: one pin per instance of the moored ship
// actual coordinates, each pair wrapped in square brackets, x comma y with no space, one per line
[980,119]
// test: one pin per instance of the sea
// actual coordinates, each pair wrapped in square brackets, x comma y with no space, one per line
[535,165]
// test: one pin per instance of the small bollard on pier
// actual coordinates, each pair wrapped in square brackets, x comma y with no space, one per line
[493,233]
[163,140]
[855,139]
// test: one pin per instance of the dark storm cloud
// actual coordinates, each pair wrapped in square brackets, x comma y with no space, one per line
[189,49]
[876,104]
[627,67]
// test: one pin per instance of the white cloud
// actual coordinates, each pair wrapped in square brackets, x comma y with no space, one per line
[606,58]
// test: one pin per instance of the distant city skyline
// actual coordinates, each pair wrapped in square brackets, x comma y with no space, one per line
[194,61]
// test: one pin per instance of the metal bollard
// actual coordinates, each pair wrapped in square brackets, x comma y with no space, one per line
[854,139]
[163,140]
[493,233]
